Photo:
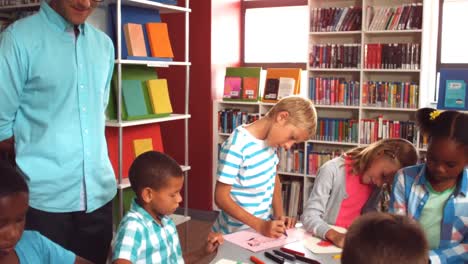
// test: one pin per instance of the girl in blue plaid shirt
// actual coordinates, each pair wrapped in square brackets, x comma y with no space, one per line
[435,193]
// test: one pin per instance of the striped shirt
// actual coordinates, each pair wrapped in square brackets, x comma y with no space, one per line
[141,240]
[409,196]
[249,166]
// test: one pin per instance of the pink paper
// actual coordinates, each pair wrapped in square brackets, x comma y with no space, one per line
[255,242]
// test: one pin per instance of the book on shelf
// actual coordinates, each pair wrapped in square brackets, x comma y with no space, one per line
[232,87]
[241,84]
[402,17]
[133,98]
[148,131]
[374,129]
[159,42]
[135,40]
[405,56]
[141,146]
[159,96]
[291,193]
[390,94]
[452,89]
[291,160]
[285,87]
[337,130]
[335,56]
[333,91]
[273,79]
[336,19]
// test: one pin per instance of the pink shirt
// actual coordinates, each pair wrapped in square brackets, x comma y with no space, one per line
[357,195]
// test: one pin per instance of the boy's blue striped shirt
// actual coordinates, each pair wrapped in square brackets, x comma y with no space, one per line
[410,194]
[249,166]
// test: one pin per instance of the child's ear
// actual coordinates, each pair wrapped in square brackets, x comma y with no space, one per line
[147,195]
[282,116]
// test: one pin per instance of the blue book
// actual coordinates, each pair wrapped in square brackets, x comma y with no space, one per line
[133,97]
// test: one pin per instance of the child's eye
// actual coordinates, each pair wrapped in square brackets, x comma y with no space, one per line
[451,165]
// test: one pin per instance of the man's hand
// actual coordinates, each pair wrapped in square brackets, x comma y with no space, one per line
[335,237]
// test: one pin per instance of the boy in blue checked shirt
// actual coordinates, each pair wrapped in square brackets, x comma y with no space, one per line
[147,234]
[435,193]
[17,245]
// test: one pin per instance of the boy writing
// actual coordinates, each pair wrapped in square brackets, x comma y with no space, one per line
[248,191]
[147,234]
[17,245]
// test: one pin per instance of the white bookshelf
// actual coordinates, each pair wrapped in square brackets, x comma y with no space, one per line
[183,13]
[360,74]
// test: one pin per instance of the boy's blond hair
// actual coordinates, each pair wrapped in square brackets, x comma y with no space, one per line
[399,150]
[302,113]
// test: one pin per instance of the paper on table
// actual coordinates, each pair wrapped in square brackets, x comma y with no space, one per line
[228,261]
[317,245]
[255,242]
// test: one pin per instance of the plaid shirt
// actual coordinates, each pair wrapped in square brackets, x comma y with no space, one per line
[409,196]
[140,239]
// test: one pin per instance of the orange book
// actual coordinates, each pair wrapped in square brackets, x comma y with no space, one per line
[135,40]
[158,37]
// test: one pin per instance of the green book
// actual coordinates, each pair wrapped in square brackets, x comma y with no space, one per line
[133,98]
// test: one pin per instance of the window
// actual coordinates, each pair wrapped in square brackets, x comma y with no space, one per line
[275,33]
[453,40]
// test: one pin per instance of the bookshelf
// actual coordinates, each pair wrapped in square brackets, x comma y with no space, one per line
[354,69]
[124,192]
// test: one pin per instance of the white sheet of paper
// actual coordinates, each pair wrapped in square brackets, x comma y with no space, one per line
[312,243]
[228,261]
[253,241]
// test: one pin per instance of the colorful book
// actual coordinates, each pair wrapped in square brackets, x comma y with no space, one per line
[232,87]
[133,97]
[141,146]
[159,42]
[159,96]
[135,40]
[285,87]
[250,88]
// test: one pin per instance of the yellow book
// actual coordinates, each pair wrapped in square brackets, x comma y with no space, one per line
[159,96]
[141,146]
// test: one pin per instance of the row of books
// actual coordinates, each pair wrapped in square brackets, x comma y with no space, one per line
[291,160]
[335,19]
[392,56]
[315,159]
[335,56]
[376,129]
[157,37]
[17,2]
[229,119]
[337,129]
[390,94]
[403,17]
[291,192]
[333,91]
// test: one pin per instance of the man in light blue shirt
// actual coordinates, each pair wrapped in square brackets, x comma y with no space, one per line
[55,72]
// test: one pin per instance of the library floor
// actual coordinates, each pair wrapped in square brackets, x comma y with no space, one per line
[193,234]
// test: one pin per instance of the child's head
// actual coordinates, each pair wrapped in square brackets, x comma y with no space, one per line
[378,162]
[382,238]
[293,120]
[157,180]
[447,153]
[13,207]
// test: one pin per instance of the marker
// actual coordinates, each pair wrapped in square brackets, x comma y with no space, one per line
[256,260]
[290,251]
[276,259]
[284,255]
[286,234]
[307,260]
[337,256]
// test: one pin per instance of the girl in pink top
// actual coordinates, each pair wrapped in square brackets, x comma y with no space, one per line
[345,185]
